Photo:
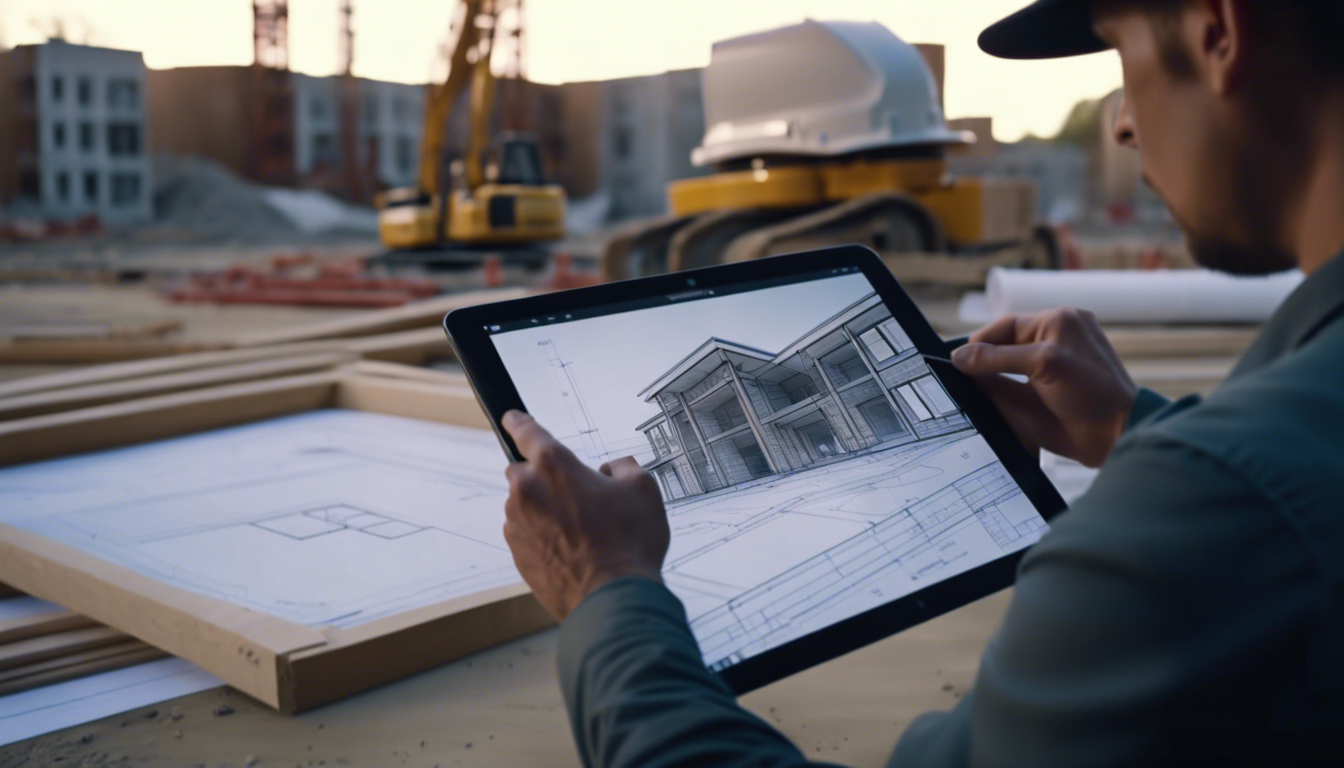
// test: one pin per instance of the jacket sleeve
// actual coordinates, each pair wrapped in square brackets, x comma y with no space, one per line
[1146,403]
[638,693]
[1140,624]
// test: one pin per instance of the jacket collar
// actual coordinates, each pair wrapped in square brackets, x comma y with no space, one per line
[1317,302]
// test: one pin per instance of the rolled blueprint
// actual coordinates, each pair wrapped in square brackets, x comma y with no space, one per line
[1142,296]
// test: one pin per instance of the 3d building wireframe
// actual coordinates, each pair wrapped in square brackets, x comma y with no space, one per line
[731,413]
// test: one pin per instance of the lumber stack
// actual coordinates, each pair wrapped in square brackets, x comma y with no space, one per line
[52,646]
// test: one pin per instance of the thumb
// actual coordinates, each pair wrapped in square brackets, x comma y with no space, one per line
[991,359]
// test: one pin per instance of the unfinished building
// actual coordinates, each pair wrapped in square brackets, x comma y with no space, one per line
[73,129]
[733,414]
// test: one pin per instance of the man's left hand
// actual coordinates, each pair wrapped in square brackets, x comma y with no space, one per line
[571,529]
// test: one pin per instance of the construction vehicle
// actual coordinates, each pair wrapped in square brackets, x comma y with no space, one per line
[825,133]
[495,198]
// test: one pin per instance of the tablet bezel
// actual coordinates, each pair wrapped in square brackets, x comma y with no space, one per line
[468,334]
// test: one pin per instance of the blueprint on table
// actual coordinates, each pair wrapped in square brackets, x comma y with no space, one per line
[332,517]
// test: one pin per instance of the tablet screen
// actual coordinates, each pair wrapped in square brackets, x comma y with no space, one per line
[812,463]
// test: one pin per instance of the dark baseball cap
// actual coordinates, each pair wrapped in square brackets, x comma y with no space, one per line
[1046,29]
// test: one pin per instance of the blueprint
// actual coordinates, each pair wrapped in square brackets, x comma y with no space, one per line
[757,569]
[331,517]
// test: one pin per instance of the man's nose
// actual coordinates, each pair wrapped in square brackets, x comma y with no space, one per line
[1123,128]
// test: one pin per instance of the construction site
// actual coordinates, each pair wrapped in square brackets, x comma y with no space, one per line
[192,252]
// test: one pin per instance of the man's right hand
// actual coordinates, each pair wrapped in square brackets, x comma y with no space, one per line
[1077,397]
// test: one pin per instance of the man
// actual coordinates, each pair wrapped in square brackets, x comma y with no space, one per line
[1188,609]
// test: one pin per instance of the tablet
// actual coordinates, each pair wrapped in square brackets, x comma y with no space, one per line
[827,483]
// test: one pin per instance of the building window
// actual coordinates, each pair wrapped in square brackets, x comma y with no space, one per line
[370,110]
[926,398]
[91,186]
[844,365]
[881,419]
[123,94]
[404,155]
[317,109]
[799,388]
[58,135]
[86,137]
[62,186]
[895,336]
[730,415]
[30,184]
[620,143]
[57,89]
[400,109]
[324,151]
[84,91]
[125,189]
[658,439]
[877,346]
[123,139]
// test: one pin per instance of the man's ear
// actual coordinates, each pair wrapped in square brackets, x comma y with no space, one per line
[1217,32]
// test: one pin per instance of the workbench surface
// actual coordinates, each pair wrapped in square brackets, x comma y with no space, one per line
[502,708]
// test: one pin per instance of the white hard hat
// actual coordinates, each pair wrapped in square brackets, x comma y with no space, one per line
[818,88]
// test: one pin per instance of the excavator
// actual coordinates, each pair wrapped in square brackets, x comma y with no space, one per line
[497,199]
[824,133]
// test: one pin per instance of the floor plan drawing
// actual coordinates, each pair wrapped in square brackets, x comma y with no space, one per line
[326,518]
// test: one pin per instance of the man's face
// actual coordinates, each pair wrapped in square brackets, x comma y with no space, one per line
[1193,152]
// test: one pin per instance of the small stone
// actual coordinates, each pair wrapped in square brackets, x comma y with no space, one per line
[468,745]
[422,743]
[947,686]
[176,714]
[250,761]
[177,734]
[223,710]
[150,715]
[86,739]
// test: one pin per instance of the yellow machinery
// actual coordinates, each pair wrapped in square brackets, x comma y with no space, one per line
[826,133]
[500,197]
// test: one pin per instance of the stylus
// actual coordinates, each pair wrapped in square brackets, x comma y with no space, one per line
[938,359]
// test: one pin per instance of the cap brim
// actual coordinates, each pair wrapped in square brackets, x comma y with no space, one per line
[1046,29]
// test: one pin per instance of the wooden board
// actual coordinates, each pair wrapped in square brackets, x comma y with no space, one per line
[289,666]
[41,624]
[414,315]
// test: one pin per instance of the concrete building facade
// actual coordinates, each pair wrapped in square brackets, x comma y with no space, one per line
[732,414]
[75,132]
[390,118]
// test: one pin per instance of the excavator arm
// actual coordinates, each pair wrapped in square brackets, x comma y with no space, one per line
[461,71]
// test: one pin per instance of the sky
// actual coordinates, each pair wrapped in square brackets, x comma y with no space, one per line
[610,359]
[570,40]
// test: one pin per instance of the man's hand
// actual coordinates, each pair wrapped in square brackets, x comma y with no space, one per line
[1077,397]
[571,529]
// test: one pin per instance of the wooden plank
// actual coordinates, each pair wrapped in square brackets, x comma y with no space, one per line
[77,666]
[413,399]
[379,368]
[135,369]
[155,418]
[429,637]
[41,624]
[95,351]
[413,315]
[413,347]
[109,392]
[22,652]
